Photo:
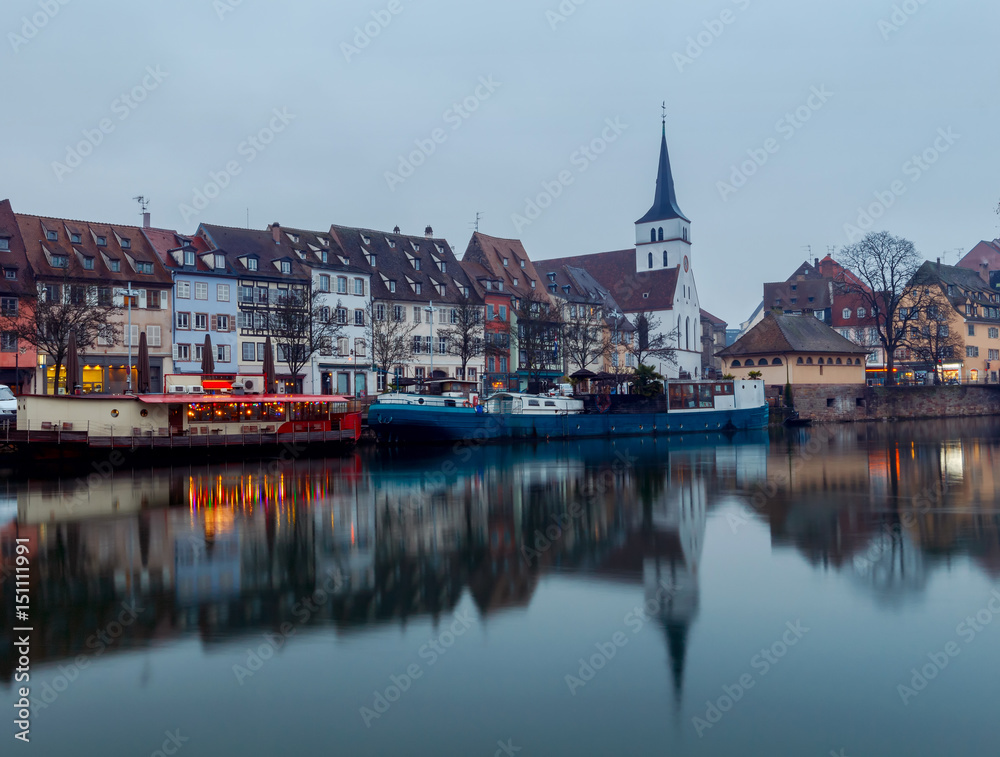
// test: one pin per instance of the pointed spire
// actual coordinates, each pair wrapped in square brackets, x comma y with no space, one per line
[665,203]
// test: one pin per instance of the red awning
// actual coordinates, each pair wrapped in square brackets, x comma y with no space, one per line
[165,399]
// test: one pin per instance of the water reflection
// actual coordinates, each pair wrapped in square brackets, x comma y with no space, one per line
[221,552]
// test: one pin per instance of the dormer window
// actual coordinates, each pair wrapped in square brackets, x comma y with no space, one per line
[4,243]
[102,241]
[324,241]
[220,262]
[286,266]
[532,283]
[126,244]
[115,266]
[465,291]
[141,267]
[189,257]
[489,286]
[88,264]
[251,264]
[552,276]
[52,236]
[372,259]
[506,261]
[515,282]
[522,264]
[443,266]
[499,286]
[324,256]
[416,264]
[417,288]
[76,238]
[392,287]
[60,261]
[552,288]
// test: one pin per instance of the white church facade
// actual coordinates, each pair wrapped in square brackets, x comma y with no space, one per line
[657,276]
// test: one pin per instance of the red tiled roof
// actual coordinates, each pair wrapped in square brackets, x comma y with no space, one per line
[984,252]
[634,292]
[706,316]
[490,253]
[16,257]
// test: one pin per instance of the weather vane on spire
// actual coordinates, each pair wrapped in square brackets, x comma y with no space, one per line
[664,106]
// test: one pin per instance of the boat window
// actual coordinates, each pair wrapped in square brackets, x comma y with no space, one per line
[532,403]
[705,398]
[549,403]
[449,403]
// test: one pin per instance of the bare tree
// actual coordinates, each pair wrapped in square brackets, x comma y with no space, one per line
[300,326]
[465,335]
[930,338]
[536,340]
[879,270]
[389,334]
[45,319]
[585,340]
[649,342]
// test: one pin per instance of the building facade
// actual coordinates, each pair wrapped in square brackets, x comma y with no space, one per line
[17,284]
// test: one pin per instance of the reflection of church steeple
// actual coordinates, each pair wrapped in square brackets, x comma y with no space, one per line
[677,633]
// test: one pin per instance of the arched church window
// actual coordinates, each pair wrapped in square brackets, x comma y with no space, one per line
[650,260]
[661,233]
[652,235]
[776,361]
[687,332]
[664,258]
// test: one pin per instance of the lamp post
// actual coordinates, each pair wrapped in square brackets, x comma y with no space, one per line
[128,294]
[430,310]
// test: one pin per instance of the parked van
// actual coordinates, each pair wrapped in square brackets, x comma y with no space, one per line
[8,404]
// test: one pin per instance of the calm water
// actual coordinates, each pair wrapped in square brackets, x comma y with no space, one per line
[827,591]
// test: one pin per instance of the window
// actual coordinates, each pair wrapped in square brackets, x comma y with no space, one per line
[75,238]
[4,243]
[106,335]
[8,342]
[442,345]
[183,351]
[650,260]
[342,316]
[141,267]
[861,312]
[251,264]
[60,261]
[994,333]
[972,329]
[324,283]
[222,292]
[398,314]
[443,267]
[153,336]
[8,306]
[88,264]
[224,353]
[104,296]
[249,351]
[262,295]
[454,316]
[359,347]
[489,312]
[442,315]
[343,346]
[286,266]
[261,350]
[847,313]
[201,321]
[416,314]
[503,312]
[220,262]
[201,291]
[115,265]
[189,257]
[417,345]
[359,287]
[153,299]
[10,273]
[417,288]
[222,322]
[972,351]
[341,285]
[126,243]
[515,281]
[184,290]
[392,286]
[359,317]
[183,320]
[993,355]
[102,241]
[380,312]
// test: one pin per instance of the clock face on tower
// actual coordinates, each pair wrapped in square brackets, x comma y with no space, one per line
[685,264]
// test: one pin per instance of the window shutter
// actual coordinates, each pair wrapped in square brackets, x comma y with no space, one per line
[215,323]
[175,351]
[142,298]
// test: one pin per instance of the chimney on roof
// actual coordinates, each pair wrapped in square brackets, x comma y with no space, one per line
[428,233]
[145,220]
[395,230]
[984,272]
[276,232]
[816,263]
[939,265]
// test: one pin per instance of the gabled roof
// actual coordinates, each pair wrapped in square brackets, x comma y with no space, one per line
[714,320]
[984,252]
[665,202]
[16,257]
[808,294]
[309,247]
[491,252]
[122,243]
[241,244]
[791,333]
[634,292]
[164,240]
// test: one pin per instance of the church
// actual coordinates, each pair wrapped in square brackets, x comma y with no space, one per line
[656,277]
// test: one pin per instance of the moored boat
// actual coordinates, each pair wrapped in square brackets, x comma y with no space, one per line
[687,407]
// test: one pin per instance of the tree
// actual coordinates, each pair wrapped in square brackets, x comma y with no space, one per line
[584,337]
[45,318]
[537,337]
[389,334]
[650,342]
[930,338]
[465,334]
[300,326]
[646,381]
[879,270]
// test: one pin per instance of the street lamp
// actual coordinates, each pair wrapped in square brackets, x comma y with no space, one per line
[128,294]
[431,310]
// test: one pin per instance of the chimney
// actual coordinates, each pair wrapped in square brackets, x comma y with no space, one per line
[145,220]
[276,232]
[428,233]
[939,265]
[984,272]
[816,263]
[395,230]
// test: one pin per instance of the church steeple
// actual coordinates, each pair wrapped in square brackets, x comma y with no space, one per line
[665,203]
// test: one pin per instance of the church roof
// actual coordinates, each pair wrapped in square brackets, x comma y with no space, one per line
[665,203]
[615,270]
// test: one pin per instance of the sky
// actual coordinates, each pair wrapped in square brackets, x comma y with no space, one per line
[793,127]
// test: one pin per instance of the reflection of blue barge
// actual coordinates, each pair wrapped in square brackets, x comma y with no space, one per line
[689,407]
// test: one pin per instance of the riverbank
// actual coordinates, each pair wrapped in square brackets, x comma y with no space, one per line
[853,403]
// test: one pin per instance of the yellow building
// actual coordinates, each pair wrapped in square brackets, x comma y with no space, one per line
[795,349]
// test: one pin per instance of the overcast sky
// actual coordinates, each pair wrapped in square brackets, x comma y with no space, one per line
[537,84]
